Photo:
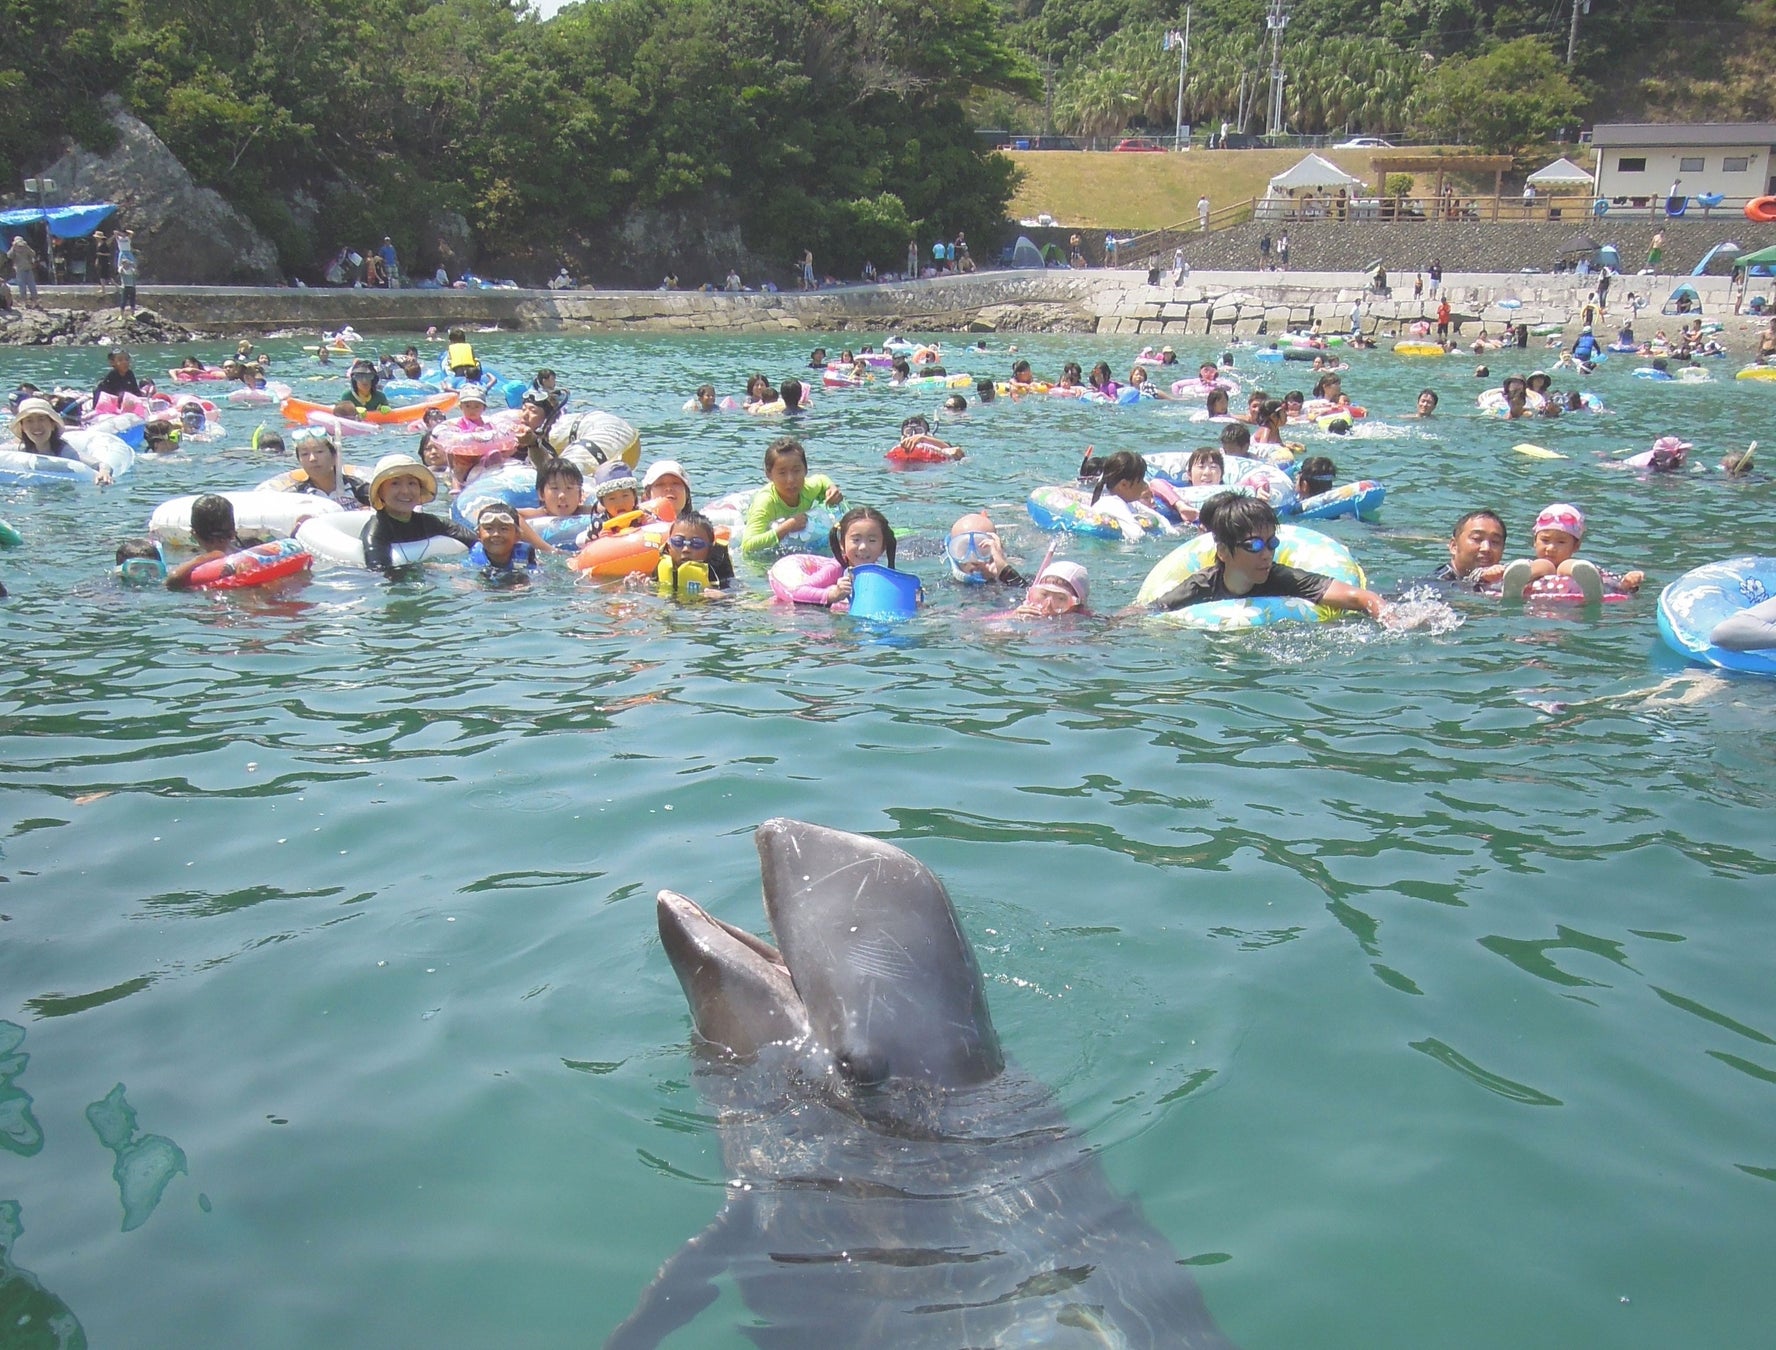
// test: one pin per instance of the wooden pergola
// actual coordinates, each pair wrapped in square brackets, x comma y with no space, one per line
[1441,165]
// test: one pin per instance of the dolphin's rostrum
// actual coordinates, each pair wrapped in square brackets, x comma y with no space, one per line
[891,1184]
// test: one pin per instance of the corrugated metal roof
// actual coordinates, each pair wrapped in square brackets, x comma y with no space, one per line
[1684,133]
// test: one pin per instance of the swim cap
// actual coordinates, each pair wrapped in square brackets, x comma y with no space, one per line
[1069,574]
[1562,516]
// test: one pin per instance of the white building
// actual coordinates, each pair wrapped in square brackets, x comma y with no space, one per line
[1639,161]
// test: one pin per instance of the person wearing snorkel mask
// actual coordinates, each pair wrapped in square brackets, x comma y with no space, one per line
[976,554]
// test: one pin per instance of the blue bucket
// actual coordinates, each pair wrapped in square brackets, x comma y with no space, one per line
[879,592]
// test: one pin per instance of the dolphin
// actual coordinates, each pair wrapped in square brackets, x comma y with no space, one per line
[892,1182]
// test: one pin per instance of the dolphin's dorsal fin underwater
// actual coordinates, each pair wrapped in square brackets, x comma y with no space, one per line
[915,1195]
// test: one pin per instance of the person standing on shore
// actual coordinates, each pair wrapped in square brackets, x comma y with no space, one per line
[391,268]
[912,272]
[101,259]
[24,268]
[1283,252]
[1202,212]
[1656,251]
[1435,272]
[1264,252]
[126,284]
[123,243]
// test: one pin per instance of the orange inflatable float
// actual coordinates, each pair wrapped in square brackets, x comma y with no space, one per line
[1761,209]
[298,409]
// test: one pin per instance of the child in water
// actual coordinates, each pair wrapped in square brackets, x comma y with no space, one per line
[694,562]
[618,495]
[1245,534]
[1559,529]
[500,553]
[915,435]
[1060,588]
[703,401]
[862,536]
[666,489]
[139,563]
[561,492]
[781,508]
[212,525]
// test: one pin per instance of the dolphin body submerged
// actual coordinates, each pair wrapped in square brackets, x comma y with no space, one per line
[891,1184]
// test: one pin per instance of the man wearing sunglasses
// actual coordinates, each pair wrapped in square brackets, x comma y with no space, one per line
[1245,534]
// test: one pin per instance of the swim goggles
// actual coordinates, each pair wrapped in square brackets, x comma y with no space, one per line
[691,543]
[1260,545]
[307,435]
[142,571]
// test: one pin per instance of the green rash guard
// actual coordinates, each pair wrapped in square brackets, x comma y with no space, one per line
[768,508]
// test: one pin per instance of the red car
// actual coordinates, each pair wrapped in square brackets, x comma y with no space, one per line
[1140,143]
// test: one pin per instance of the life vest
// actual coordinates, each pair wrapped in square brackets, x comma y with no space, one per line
[460,356]
[686,580]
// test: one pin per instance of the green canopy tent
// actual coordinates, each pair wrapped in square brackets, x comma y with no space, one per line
[1763,257]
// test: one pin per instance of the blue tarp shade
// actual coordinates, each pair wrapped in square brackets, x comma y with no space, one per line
[65,222]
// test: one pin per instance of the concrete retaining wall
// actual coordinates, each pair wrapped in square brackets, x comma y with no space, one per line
[1119,301]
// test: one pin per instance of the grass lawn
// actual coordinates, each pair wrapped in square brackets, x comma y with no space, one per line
[1106,190]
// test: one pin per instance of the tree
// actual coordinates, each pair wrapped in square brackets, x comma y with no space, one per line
[1502,101]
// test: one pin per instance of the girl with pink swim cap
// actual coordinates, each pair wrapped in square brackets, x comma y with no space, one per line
[1558,532]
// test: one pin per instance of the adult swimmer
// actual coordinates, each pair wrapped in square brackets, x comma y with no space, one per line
[1477,543]
[1245,534]
[39,427]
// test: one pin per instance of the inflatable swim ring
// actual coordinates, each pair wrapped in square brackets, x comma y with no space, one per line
[1013,390]
[1300,547]
[243,397]
[617,553]
[257,566]
[1757,373]
[185,376]
[1691,606]
[258,512]
[1070,510]
[339,537]
[97,449]
[1361,499]
[924,450]
[288,482]
[9,536]
[592,438]
[1259,478]
[1761,209]
[804,578]
[1418,349]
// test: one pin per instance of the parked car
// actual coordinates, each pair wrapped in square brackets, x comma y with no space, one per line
[1364,143]
[1139,144]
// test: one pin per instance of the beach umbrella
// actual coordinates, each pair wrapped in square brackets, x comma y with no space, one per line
[1578,245]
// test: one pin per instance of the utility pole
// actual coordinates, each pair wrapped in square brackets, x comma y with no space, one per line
[1181,41]
[1572,36]
[1276,21]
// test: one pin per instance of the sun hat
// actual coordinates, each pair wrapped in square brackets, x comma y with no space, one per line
[1069,574]
[1562,516]
[35,405]
[394,466]
[472,395]
[614,478]
[1167,351]
[665,468]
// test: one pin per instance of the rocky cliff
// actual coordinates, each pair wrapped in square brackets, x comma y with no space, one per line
[184,233]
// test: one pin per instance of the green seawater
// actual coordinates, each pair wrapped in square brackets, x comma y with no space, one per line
[1417,983]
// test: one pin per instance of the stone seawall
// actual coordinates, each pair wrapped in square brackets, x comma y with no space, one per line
[1246,304]
[1462,247]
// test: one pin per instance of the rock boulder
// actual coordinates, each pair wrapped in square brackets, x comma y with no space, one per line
[185,234]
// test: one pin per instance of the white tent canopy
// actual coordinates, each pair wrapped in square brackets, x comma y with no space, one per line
[1314,172]
[1561,173]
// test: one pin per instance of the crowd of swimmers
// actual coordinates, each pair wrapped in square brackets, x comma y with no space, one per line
[505,540]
